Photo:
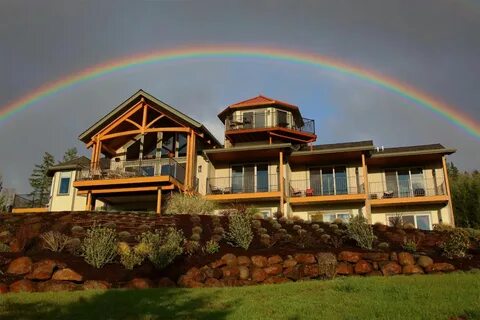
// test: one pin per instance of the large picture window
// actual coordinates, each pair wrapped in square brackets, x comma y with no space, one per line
[250,178]
[419,220]
[328,181]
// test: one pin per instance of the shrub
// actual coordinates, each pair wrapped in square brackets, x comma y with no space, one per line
[54,241]
[191,247]
[99,246]
[124,235]
[359,230]
[315,227]
[276,226]
[218,230]
[77,229]
[216,220]
[338,221]
[440,227]
[165,246]
[409,226]
[217,237]
[195,219]
[188,204]
[297,219]
[336,240]
[327,264]
[383,245]
[296,227]
[262,230]
[325,238]
[456,244]
[74,246]
[195,237]
[111,225]
[211,247]
[256,223]
[333,226]
[289,222]
[283,219]
[240,231]
[197,230]
[409,245]
[4,247]
[130,258]
[473,233]
[396,221]
[304,239]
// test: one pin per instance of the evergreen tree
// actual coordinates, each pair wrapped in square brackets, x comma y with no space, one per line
[465,190]
[40,182]
[70,154]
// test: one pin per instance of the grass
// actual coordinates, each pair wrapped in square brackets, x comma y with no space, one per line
[442,296]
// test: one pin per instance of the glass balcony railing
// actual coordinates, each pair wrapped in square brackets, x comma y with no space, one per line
[134,168]
[265,119]
[243,184]
[406,189]
[327,186]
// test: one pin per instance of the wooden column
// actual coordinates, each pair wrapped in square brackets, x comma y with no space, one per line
[193,158]
[88,206]
[447,187]
[92,161]
[187,165]
[159,201]
[366,187]
[281,176]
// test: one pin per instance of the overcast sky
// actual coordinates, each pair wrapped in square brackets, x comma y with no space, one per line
[432,45]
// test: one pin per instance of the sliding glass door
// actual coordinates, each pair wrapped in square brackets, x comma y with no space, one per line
[250,178]
[329,181]
[404,183]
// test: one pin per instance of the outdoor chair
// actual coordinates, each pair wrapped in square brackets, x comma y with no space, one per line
[295,192]
[309,192]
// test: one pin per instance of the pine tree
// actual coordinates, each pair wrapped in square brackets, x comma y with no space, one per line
[70,154]
[39,181]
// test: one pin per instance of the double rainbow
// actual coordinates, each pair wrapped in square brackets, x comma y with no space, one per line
[418,98]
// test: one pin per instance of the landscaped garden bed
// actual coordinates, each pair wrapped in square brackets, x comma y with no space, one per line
[84,250]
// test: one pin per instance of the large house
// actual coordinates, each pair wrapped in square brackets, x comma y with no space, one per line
[145,149]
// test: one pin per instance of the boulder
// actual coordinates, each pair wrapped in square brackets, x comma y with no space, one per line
[23,285]
[195,274]
[4,261]
[349,256]
[363,267]
[405,259]
[166,283]
[327,264]
[42,270]
[344,269]
[259,261]
[244,272]
[305,258]
[56,285]
[212,282]
[211,273]
[375,256]
[230,272]
[276,259]
[139,283]
[244,261]
[218,264]
[3,288]
[292,272]
[230,259]
[412,269]
[393,256]
[424,261]
[96,285]
[19,266]
[187,282]
[309,271]
[275,280]
[67,274]
[258,275]
[391,268]
[289,263]
[439,267]
[273,270]
[374,274]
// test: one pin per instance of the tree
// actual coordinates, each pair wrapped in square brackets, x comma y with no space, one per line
[70,154]
[39,181]
[465,190]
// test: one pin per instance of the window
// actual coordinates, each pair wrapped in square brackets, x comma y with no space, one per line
[405,182]
[250,178]
[64,187]
[329,181]
[182,144]
[168,145]
[420,220]
[331,216]
[266,213]
[150,146]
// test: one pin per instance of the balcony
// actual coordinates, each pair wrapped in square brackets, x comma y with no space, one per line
[328,189]
[424,191]
[243,187]
[256,125]
[26,203]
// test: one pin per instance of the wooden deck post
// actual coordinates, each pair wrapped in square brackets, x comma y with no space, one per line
[159,201]
[366,188]
[88,206]
[282,186]
[447,191]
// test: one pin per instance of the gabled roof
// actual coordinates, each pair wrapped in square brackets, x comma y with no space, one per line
[366,145]
[155,103]
[78,163]
[259,100]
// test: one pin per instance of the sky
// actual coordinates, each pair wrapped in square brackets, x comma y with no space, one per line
[432,45]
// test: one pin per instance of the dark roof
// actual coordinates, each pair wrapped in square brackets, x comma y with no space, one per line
[127,104]
[410,150]
[336,147]
[78,163]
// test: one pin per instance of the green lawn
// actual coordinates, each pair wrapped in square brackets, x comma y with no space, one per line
[401,297]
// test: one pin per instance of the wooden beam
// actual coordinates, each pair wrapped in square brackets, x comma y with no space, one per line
[447,186]
[120,134]
[90,144]
[243,196]
[92,161]
[122,118]
[194,156]
[88,206]
[117,190]
[180,124]
[133,180]
[168,129]
[188,156]
[109,150]
[341,198]
[144,118]
[159,201]
[154,121]
[134,123]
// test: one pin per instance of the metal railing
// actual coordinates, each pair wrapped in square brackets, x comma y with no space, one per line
[134,168]
[406,189]
[31,200]
[327,186]
[266,119]
[243,184]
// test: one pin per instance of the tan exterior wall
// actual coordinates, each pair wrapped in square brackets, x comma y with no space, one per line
[306,212]
[202,174]
[66,202]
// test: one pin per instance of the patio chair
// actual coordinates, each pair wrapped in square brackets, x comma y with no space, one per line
[419,192]
[295,192]
[309,192]
[215,190]
[388,194]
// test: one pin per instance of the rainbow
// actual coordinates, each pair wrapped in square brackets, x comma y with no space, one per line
[418,98]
